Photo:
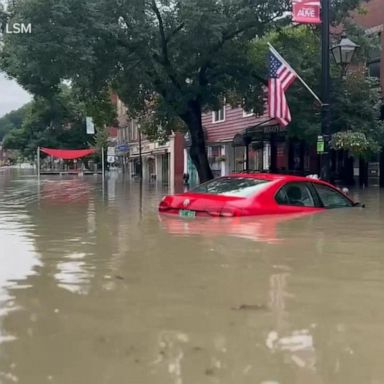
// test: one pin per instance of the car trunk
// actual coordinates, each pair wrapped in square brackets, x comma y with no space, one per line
[200,202]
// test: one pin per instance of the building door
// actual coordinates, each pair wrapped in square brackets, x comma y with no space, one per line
[165,168]
[151,169]
[214,154]
[239,159]
[193,177]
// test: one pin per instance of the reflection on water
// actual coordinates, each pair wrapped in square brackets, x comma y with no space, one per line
[18,261]
[73,274]
[96,287]
[260,229]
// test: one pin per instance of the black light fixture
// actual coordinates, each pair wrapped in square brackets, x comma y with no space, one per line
[344,51]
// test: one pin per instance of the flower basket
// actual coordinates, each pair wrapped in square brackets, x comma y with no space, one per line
[355,142]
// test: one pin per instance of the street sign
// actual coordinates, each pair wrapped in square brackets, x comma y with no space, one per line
[111,159]
[306,11]
[90,125]
[111,151]
[122,148]
[320,144]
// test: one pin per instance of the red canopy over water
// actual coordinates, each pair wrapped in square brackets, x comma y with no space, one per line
[67,154]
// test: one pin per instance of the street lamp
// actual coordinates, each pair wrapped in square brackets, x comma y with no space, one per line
[344,51]
[343,54]
[325,165]
[140,153]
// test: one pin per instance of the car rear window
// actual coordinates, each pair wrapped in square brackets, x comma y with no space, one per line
[232,186]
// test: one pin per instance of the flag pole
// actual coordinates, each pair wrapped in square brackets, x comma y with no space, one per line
[297,75]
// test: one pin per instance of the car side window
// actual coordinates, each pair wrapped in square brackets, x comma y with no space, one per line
[295,194]
[331,198]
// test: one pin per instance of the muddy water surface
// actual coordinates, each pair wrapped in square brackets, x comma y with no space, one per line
[96,288]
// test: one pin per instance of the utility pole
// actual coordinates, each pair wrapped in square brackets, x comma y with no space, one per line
[325,93]
[140,153]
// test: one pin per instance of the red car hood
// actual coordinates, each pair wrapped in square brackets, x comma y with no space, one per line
[199,201]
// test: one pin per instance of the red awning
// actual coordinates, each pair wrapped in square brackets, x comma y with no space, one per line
[67,153]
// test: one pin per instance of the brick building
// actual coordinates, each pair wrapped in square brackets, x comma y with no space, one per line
[270,148]
[161,162]
[373,22]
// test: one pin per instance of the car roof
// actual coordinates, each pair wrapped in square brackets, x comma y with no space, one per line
[275,177]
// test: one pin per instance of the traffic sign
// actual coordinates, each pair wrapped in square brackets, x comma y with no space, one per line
[123,148]
[320,144]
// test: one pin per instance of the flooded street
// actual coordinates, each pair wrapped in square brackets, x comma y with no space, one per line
[96,288]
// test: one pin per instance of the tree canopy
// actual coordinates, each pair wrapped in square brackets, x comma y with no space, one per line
[12,120]
[58,122]
[355,98]
[169,60]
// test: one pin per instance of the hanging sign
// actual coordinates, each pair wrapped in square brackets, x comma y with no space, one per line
[320,144]
[306,11]
[90,125]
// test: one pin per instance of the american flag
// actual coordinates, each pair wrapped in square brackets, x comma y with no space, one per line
[281,76]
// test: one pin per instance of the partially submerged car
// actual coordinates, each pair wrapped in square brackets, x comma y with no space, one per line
[256,194]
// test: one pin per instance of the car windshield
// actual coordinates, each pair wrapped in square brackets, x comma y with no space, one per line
[232,186]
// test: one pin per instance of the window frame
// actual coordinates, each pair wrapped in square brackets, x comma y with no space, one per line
[315,197]
[333,190]
[261,182]
[218,111]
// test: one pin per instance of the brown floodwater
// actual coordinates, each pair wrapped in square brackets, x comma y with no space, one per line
[96,288]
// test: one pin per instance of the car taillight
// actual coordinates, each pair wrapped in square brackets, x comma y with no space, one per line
[163,205]
[226,212]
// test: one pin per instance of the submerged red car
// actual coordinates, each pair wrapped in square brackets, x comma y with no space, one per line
[256,194]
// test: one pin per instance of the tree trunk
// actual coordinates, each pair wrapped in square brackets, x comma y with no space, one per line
[198,150]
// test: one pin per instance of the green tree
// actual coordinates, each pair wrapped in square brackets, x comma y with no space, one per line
[12,120]
[355,100]
[177,58]
[180,57]
[57,122]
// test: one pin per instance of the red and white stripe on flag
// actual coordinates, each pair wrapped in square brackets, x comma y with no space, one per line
[281,77]
[306,11]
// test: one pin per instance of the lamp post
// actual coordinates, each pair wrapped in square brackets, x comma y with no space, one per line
[140,153]
[343,54]
[325,92]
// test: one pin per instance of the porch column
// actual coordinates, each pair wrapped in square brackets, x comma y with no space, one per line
[223,164]
[273,166]
[171,176]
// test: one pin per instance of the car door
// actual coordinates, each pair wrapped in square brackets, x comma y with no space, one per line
[331,198]
[296,197]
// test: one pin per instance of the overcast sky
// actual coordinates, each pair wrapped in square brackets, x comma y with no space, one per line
[12,96]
